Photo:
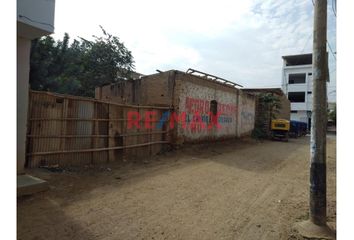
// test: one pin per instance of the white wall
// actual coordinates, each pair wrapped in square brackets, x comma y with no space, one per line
[23,67]
[299,116]
[35,18]
[303,87]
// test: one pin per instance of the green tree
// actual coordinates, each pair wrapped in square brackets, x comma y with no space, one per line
[332,115]
[268,106]
[79,67]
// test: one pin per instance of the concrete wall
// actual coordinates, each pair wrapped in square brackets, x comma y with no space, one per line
[301,116]
[23,67]
[35,18]
[304,87]
[247,108]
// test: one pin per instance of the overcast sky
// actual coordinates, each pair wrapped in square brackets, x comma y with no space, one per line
[242,41]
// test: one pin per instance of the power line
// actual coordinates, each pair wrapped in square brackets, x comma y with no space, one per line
[331,92]
[334,2]
[306,42]
[330,48]
[329,45]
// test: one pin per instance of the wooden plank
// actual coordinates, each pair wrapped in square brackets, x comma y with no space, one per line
[68,130]
[101,130]
[63,125]
[94,132]
[111,143]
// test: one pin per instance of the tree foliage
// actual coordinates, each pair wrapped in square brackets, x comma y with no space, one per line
[77,68]
[332,115]
[270,105]
[270,102]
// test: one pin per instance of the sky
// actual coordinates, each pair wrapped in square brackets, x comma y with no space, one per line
[239,40]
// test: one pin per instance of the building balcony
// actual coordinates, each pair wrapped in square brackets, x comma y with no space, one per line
[35,18]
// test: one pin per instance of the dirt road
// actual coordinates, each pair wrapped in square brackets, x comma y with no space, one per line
[229,190]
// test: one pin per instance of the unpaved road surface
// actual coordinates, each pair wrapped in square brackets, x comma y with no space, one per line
[230,190]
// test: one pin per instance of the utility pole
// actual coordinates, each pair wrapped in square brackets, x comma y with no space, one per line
[316,226]
[318,203]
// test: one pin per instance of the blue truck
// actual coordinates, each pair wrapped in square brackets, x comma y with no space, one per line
[297,129]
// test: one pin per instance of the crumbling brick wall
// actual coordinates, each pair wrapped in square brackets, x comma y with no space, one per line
[189,94]
[155,89]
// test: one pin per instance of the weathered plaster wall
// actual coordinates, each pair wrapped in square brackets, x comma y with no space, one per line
[246,113]
[194,96]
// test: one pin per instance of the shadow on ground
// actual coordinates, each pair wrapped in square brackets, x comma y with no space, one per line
[56,225]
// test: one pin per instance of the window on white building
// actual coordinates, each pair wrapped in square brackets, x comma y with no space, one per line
[296,96]
[297,78]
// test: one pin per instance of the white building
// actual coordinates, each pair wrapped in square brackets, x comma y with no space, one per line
[297,85]
[35,18]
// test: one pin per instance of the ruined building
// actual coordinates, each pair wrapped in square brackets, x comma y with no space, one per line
[194,93]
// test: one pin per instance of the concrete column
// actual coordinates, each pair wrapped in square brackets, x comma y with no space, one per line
[318,203]
[23,67]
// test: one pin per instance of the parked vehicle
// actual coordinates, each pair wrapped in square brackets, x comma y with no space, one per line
[297,129]
[280,129]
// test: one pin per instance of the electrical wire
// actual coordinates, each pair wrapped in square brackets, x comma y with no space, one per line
[329,45]
[330,48]
[334,91]
[306,42]
[333,5]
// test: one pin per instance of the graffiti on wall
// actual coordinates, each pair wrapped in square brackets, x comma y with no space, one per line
[203,106]
[199,114]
